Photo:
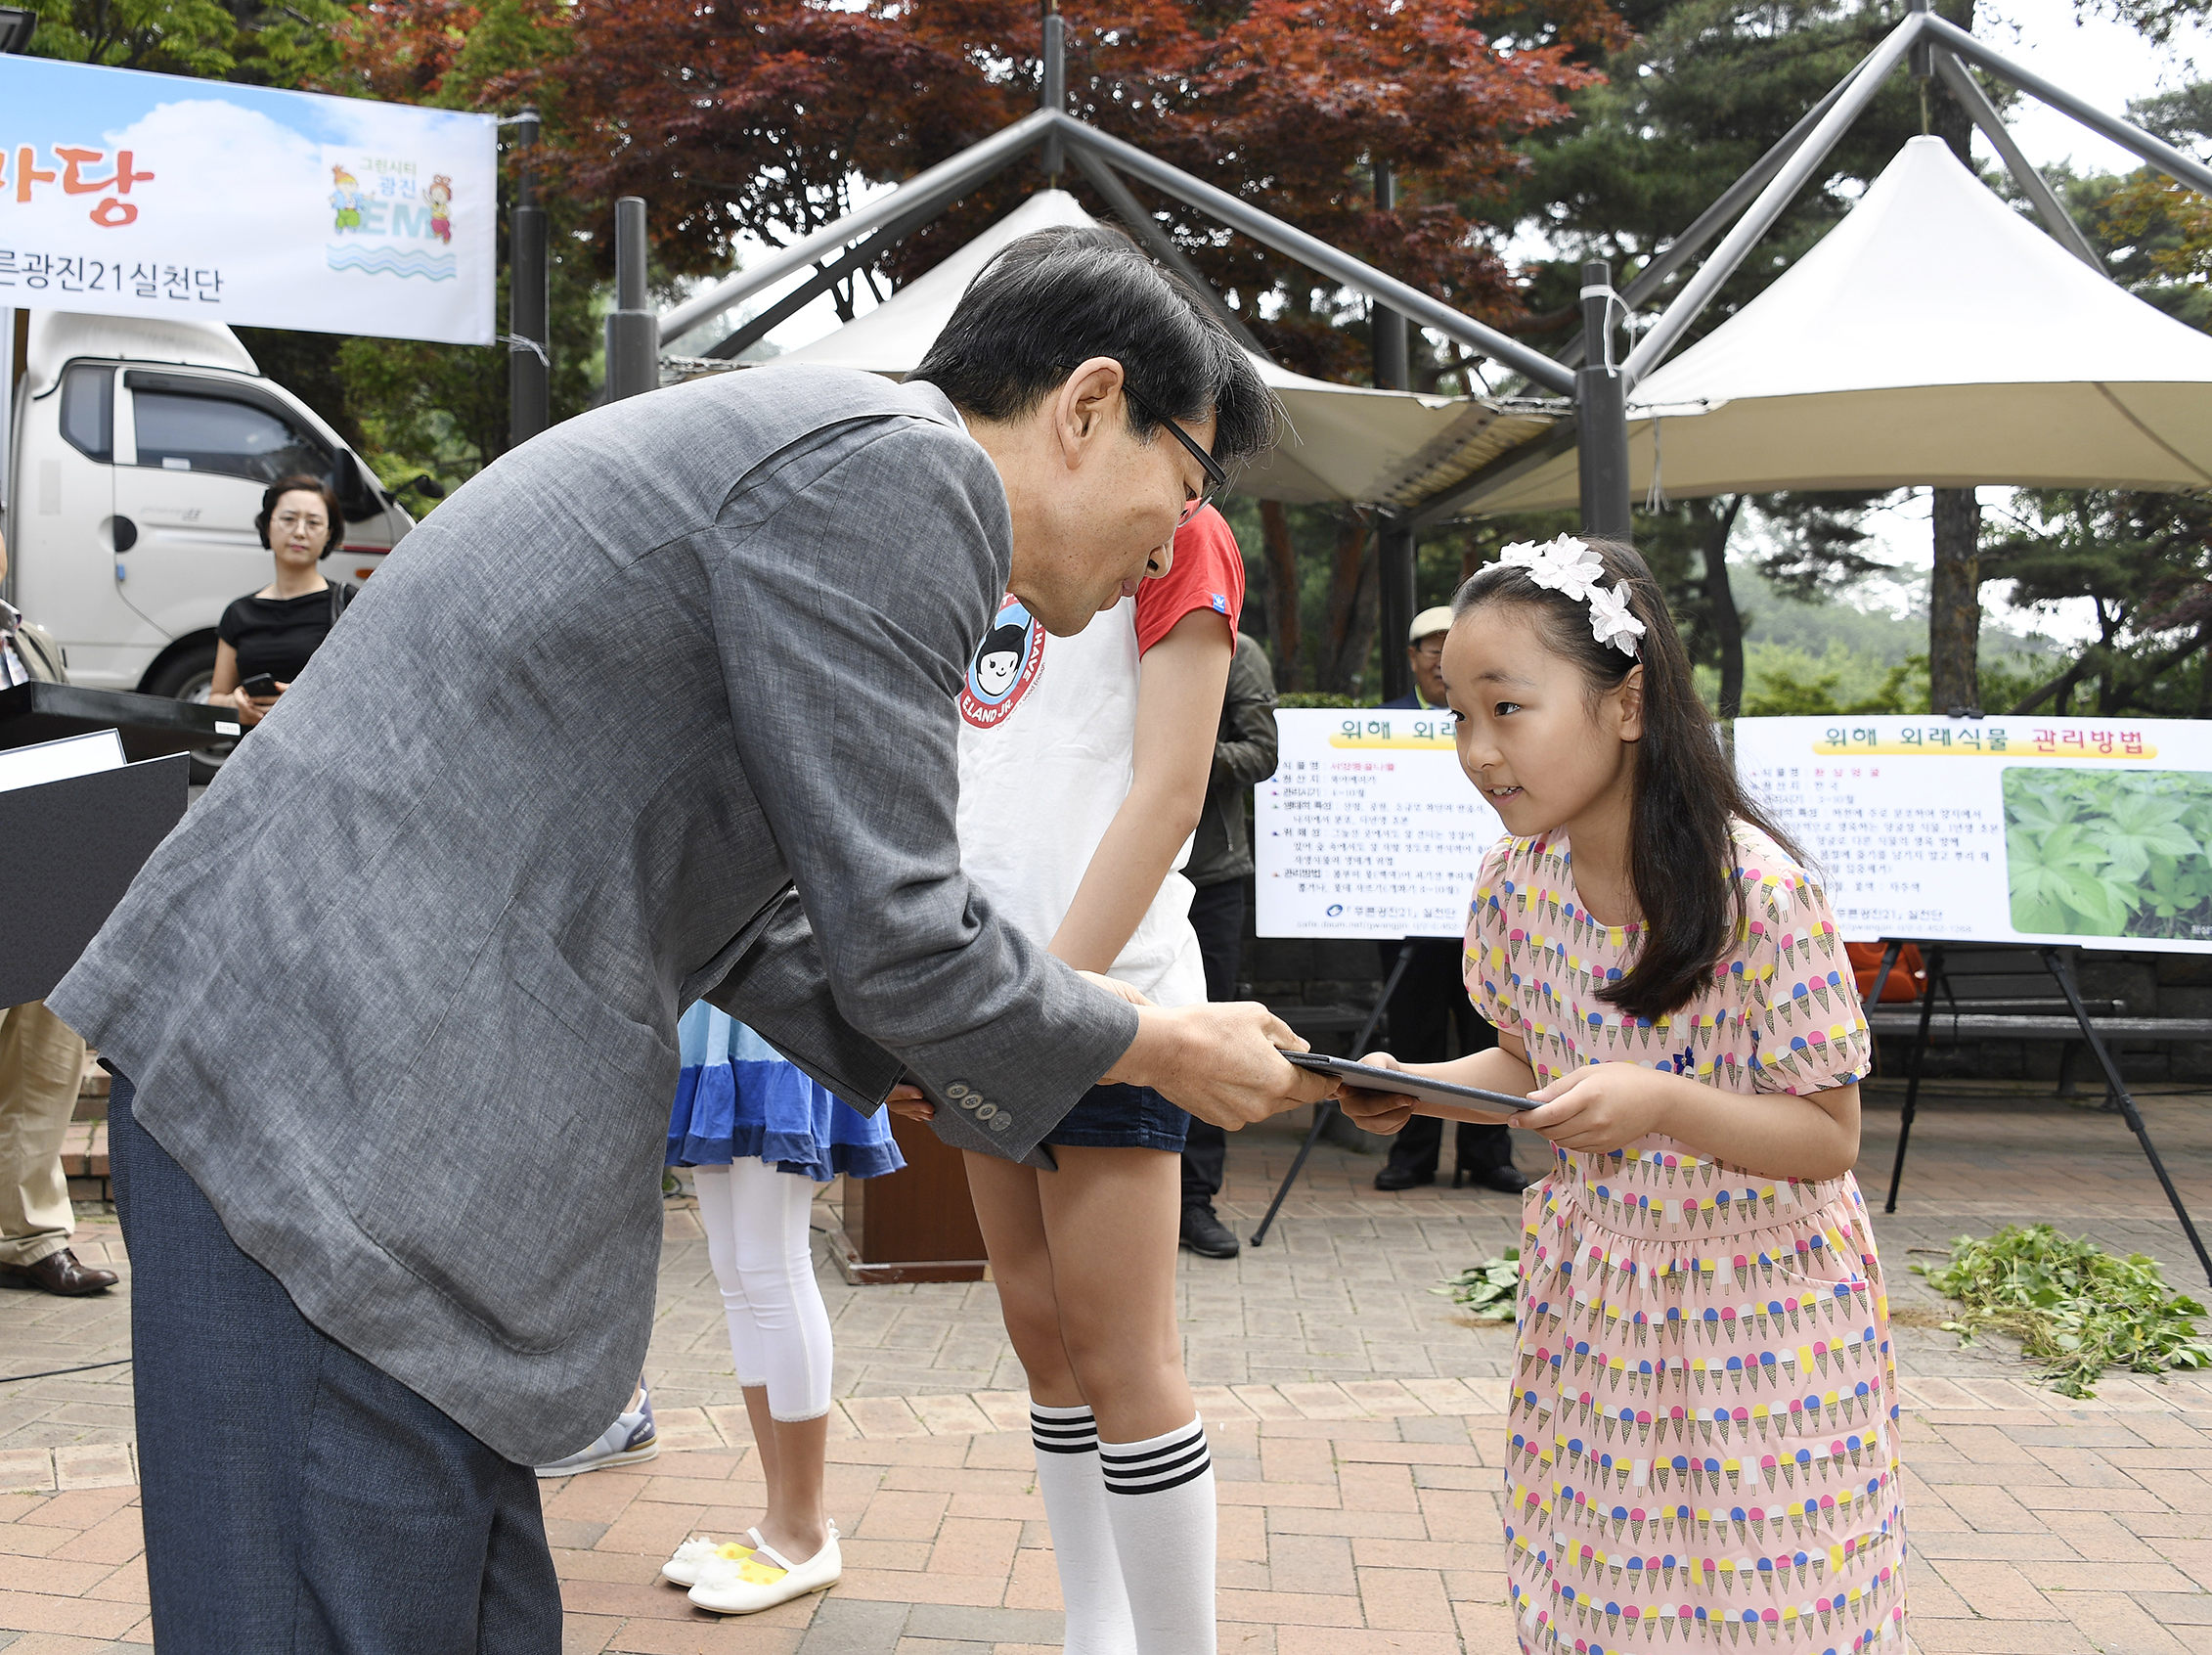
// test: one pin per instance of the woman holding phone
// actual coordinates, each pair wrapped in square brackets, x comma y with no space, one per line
[267,637]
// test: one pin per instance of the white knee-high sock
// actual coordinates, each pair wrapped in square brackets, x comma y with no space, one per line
[1066,1440]
[1159,1500]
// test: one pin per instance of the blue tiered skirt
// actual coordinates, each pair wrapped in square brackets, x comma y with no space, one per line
[738,1100]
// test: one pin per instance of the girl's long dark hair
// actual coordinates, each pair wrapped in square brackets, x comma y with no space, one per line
[1682,857]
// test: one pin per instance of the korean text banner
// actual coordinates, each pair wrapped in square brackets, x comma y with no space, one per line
[151,195]
[2092,830]
[1367,829]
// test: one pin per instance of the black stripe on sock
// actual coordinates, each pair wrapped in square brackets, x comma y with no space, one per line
[1196,1471]
[1134,1464]
[1075,1435]
[1136,1479]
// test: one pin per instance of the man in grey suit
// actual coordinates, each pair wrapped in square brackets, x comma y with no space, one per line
[659,706]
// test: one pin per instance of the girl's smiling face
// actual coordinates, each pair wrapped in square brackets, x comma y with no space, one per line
[1543,749]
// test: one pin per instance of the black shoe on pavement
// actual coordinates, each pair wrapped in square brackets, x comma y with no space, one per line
[1508,1180]
[1207,1236]
[1398,1177]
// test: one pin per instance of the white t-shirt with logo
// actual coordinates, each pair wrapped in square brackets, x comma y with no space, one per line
[1048,753]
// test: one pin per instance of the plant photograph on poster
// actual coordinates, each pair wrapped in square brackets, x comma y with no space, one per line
[2109,854]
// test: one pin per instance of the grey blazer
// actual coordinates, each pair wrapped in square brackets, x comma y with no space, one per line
[659,705]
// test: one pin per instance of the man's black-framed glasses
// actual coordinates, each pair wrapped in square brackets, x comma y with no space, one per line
[1216,479]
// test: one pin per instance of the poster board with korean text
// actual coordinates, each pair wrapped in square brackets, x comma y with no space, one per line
[2089,830]
[126,194]
[1367,829]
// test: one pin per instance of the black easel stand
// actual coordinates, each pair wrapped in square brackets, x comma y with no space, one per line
[1328,1106]
[2054,961]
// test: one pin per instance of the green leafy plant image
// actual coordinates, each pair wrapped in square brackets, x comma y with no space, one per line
[1487,1290]
[2075,1308]
[2106,854]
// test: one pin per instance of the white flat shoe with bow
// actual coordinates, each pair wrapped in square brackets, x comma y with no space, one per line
[765,1579]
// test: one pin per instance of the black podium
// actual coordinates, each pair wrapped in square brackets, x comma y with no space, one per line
[70,849]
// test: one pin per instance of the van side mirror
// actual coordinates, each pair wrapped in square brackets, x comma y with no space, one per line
[427,486]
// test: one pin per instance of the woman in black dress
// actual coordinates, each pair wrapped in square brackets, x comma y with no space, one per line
[270,634]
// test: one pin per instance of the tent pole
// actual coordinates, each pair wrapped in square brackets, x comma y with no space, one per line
[633,341]
[1386,328]
[2052,212]
[1396,548]
[1788,179]
[941,185]
[1710,223]
[528,379]
[1053,95]
[1316,254]
[1161,245]
[1601,408]
[735,343]
[2162,155]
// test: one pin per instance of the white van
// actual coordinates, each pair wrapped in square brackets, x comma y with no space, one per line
[140,452]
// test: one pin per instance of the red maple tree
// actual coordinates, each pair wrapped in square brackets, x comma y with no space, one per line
[751,116]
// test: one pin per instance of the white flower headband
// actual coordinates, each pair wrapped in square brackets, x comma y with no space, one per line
[1573,568]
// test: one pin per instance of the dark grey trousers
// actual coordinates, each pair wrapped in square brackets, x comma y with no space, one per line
[296,1499]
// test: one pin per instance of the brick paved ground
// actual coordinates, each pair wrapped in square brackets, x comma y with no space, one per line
[1355,1428]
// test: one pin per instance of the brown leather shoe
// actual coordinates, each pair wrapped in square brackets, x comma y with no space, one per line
[61,1273]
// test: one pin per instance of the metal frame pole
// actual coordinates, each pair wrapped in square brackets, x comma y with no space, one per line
[1327,1106]
[2056,219]
[1889,954]
[633,331]
[1788,179]
[1601,411]
[1053,95]
[2055,957]
[940,186]
[2160,154]
[855,261]
[1932,961]
[1145,228]
[1710,223]
[529,367]
[1316,254]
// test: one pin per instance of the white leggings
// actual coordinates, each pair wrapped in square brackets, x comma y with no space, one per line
[756,1222]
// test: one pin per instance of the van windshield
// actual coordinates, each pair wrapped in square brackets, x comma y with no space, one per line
[210,433]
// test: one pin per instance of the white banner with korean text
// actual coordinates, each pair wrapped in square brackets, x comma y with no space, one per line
[126,194]
[1367,829]
[2090,830]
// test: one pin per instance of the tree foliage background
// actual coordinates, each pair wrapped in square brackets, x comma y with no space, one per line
[1585,128]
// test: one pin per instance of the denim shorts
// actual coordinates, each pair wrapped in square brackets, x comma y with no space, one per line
[1121,1117]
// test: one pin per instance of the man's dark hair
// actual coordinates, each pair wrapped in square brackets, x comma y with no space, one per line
[1059,297]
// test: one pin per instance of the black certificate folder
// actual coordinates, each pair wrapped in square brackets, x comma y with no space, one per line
[68,851]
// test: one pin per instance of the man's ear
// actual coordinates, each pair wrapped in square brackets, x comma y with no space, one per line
[1631,693]
[1088,400]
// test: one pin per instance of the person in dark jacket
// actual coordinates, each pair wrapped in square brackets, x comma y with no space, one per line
[1220,861]
[1431,996]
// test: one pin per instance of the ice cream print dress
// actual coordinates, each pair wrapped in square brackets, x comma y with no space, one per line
[1701,1437]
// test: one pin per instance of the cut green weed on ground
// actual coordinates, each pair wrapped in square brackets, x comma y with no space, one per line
[1487,1291]
[2075,1308]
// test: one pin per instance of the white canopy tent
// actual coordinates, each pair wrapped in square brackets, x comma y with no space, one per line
[1340,442]
[1933,338]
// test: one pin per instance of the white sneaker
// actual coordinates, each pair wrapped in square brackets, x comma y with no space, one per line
[766,1579]
[630,1439]
[695,1556]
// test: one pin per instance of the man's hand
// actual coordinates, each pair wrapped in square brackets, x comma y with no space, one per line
[1377,1111]
[1223,1064]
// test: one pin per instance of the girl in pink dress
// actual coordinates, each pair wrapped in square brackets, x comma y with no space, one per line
[1701,1440]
